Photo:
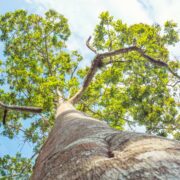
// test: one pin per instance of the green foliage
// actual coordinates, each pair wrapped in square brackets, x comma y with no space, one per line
[132,92]
[15,167]
[37,61]
[171,35]
[135,91]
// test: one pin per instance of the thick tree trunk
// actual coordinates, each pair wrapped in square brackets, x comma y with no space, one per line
[80,147]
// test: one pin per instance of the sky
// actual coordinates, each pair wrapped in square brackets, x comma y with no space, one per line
[83,16]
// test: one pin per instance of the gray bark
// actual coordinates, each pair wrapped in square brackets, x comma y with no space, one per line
[80,147]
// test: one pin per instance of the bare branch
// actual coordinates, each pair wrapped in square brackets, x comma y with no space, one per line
[133,48]
[98,62]
[142,53]
[119,51]
[21,108]
[89,46]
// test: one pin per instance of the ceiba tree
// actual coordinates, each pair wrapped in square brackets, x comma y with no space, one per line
[131,81]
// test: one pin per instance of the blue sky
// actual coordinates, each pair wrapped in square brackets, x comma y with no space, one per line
[83,15]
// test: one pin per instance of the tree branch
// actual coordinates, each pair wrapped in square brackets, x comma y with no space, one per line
[173,73]
[72,74]
[21,108]
[98,62]
[174,84]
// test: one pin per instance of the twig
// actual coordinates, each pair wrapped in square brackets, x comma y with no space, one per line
[16,128]
[72,74]
[173,73]
[172,85]
[89,46]
[24,168]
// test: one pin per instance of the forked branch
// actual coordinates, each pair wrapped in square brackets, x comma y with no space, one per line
[98,62]
[21,108]
[18,108]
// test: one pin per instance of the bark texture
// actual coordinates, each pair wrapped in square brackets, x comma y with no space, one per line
[80,147]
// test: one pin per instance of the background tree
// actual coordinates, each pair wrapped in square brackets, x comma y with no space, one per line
[127,83]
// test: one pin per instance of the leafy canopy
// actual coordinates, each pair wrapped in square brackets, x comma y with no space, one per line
[127,89]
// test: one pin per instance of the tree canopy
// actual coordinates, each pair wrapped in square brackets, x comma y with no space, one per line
[134,86]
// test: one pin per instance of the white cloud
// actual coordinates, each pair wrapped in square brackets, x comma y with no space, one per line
[83,14]
[164,10]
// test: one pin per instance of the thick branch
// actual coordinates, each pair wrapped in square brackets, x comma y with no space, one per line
[98,62]
[21,108]
[116,61]
[143,54]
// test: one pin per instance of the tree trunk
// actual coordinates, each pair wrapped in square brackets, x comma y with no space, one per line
[80,147]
